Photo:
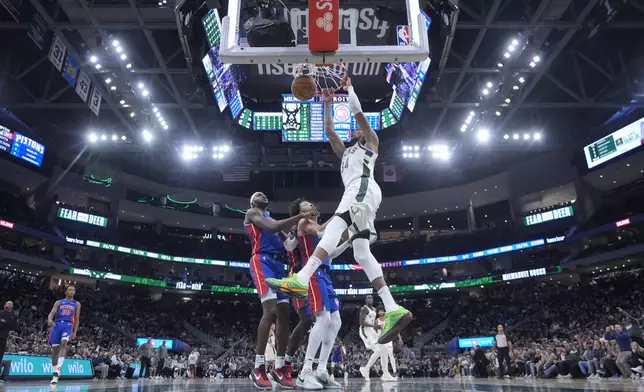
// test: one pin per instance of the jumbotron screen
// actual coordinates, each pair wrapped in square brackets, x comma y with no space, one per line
[303,121]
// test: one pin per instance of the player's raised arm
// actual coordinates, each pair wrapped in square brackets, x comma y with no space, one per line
[370,136]
[329,126]
[255,216]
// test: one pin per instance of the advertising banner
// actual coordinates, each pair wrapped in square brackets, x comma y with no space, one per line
[36,366]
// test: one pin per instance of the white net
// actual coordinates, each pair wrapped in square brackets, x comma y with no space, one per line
[327,77]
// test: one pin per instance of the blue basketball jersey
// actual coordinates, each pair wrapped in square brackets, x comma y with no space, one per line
[66,310]
[264,241]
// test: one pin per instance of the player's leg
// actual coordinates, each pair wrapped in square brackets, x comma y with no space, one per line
[396,317]
[384,363]
[306,378]
[299,332]
[55,339]
[364,371]
[260,269]
[282,374]
[392,357]
[331,308]
[298,284]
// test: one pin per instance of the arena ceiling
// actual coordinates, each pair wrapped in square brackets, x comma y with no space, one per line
[587,77]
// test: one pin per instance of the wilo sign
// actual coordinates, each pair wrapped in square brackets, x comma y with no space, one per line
[77,216]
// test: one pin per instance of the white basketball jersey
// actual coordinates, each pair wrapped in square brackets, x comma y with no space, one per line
[357,162]
[370,318]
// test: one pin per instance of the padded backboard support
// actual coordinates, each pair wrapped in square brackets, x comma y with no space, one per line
[231,52]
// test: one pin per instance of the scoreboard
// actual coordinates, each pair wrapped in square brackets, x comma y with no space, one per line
[21,146]
[263,121]
[212,27]
[617,143]
[246,119]
[236,103]
[397,104]
[303,121]
[388,119]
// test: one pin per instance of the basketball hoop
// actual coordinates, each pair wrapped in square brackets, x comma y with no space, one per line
[326,76]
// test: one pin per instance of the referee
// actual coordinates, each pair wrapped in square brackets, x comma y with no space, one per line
[8,323]
[503,347]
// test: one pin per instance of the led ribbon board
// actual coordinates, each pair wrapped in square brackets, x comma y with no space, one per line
[77,216]
[335,267]
[486,280]
[547,216]
[617,143]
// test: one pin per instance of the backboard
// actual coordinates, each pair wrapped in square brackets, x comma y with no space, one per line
[333,31]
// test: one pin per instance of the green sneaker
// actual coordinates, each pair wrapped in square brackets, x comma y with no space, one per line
[289,286]
[395,321]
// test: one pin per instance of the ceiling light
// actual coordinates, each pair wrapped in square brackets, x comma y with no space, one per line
[97,66]
[507,100]
[515,88]
[468,121]
[93,59]
[536,59]
[225,148]
[500,65]
[115,43]
[165,127]
[147,136]
[161,119]
[521,80]
[416,155]
[483,135]
[108,80]
[158,114]
[160,3]
[498,113]
[416,148]
[537,136]
[221,156]
[115,138]
[515,136]
[113,88]
[119,49]
[140,85]
[132,114]
[506,136]
[122,102]
[145,93]
[103,137]
[526,136]
[506,55]
[405,155]
[92,137]
[155,110]
[124,138]
[532,64]
[128,66]
[485,91]
[464,128]
[123,56]
[489,84]
[511,48]
[472,114]
[515,42]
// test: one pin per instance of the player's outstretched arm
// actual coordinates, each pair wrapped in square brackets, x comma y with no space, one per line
[370,136]
[255,216]
[329,125]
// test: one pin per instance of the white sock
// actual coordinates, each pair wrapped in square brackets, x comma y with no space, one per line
[60,362]
[387,299]
[279,362]
[259,360]
[304,276]
[308,364]
[373,358]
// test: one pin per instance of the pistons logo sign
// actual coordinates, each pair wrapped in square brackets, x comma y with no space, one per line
[324,25]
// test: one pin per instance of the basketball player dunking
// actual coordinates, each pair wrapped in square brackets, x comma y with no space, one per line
[267,261]
[356,212]
[63,320]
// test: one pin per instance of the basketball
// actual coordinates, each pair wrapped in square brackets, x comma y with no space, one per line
[304,87]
